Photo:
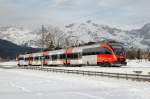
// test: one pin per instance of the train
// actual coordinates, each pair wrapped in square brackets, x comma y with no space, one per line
[105,54]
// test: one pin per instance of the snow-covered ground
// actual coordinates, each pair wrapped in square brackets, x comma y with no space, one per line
[138,63]
[132,66]
[130,63]
[32,84]
[9,63]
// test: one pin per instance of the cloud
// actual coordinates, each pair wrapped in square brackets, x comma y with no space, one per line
[125,14]
[64,3]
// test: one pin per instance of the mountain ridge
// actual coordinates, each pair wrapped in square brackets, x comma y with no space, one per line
[137,38]
[83,32]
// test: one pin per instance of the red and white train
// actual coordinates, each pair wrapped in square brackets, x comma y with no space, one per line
[108,54]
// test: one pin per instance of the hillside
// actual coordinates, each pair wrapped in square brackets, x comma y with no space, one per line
[9,50]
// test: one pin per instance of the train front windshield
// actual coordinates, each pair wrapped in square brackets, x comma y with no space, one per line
[119,50]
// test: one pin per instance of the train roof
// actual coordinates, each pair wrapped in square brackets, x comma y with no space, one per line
[79,48]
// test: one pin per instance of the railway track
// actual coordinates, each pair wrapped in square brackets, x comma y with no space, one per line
[136,76]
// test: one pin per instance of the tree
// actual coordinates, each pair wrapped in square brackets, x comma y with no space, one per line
[51,38]
[138,54]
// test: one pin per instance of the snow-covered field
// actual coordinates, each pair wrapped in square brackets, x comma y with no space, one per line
[32,84]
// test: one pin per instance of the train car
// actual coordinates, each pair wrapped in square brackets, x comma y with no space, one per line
[23,60]
[105,54]
[55,57]
[36,59]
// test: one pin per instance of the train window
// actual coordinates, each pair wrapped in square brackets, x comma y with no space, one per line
[87,53]
[26,59]
[75,55]
[62,56]
[93,53]
[90,51]
[36,58]
[83,54]
[47,57]
[31,58]
[58,56]
[79,55]
[40,57]
[96,50]
[105,51]
[54,57]
[70,56]
[21,58]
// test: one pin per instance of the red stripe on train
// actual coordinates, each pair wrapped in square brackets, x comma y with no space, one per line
[45,61]
[30,59]
[67,51]
[105,58]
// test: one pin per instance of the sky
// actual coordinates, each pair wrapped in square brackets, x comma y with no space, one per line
[124,14]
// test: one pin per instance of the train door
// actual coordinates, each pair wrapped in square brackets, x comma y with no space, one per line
[89,56]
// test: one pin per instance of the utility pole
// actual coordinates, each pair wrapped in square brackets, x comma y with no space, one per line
[43,30]
[42,49]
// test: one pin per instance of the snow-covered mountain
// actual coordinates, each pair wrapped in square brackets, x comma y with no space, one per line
[18,35]
[83,33]
[143,33]
[90,31]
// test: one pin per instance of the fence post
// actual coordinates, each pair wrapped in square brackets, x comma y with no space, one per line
[118,75]
[126,76]
[137,74]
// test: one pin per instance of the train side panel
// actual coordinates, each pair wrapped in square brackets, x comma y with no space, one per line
[89,60]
